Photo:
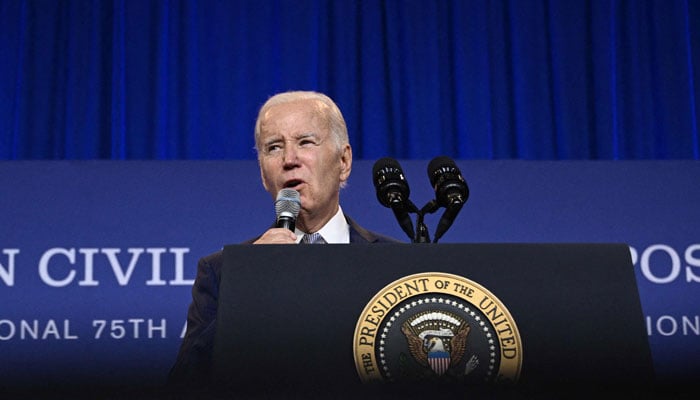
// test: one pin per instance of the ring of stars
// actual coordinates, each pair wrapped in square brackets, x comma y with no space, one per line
[466,309]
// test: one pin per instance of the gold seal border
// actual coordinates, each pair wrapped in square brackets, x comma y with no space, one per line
[382,304]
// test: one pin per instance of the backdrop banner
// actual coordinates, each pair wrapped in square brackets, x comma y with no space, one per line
[97,258]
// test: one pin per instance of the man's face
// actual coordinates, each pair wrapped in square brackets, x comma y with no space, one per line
[297,151]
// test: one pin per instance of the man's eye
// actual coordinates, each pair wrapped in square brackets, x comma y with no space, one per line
[273,148]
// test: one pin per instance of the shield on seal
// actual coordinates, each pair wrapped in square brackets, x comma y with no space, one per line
[439,361]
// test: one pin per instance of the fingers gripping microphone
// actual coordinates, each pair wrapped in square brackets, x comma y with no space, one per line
[451,191]
[287,208]
[392,191]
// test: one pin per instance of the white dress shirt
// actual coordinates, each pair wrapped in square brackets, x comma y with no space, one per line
[336,230]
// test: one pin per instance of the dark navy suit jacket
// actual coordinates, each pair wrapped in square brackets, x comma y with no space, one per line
[194,359]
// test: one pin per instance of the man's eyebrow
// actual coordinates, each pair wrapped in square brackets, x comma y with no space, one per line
[273,140]
[300,136]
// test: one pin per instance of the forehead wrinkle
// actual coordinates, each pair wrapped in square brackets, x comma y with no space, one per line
[270,120]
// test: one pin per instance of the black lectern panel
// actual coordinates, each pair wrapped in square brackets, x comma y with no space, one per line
[288,314]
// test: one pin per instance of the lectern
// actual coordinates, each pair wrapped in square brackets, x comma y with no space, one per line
[384,317]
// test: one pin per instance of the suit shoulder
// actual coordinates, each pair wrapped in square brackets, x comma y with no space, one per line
[213,260]
[359,234]
[384,238]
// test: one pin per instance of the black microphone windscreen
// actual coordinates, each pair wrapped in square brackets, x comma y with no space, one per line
[447,181]
[389,180]
[392,191]
[385,163]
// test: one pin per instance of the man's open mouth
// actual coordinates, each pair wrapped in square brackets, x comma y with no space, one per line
[292,184]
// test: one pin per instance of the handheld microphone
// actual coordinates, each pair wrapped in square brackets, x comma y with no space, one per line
[451,191]
[393,191]
[287,208]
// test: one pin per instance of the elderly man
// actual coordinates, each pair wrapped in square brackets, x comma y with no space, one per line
[302,144]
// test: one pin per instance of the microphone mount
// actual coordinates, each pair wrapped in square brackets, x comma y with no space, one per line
[422,234]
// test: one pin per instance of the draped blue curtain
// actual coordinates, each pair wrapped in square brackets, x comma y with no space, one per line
[471,79]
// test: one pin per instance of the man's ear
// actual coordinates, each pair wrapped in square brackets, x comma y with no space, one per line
[345,163]
[262,178]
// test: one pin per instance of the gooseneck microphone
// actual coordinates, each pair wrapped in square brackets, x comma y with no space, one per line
[287,208]
[393,191]
[451,191]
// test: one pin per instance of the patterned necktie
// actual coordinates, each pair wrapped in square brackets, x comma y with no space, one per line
[312,238]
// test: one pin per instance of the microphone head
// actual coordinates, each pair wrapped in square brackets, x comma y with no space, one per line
[288,204]
[389,180]
[450,187]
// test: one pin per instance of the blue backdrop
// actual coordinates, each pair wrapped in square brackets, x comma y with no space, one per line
[472,79]
[97,258]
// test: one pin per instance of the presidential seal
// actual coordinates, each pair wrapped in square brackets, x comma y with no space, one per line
[437,327]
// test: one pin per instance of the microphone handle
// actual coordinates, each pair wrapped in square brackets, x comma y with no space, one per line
[404,219]
[286,222]
[448,217]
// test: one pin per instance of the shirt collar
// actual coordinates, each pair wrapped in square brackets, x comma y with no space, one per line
[336,230]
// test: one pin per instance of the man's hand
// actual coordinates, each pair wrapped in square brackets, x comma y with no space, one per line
[277,236]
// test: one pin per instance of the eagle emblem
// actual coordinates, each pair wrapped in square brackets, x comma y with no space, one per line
[436,339]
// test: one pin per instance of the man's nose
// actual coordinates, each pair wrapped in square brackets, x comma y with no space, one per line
[290,155]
